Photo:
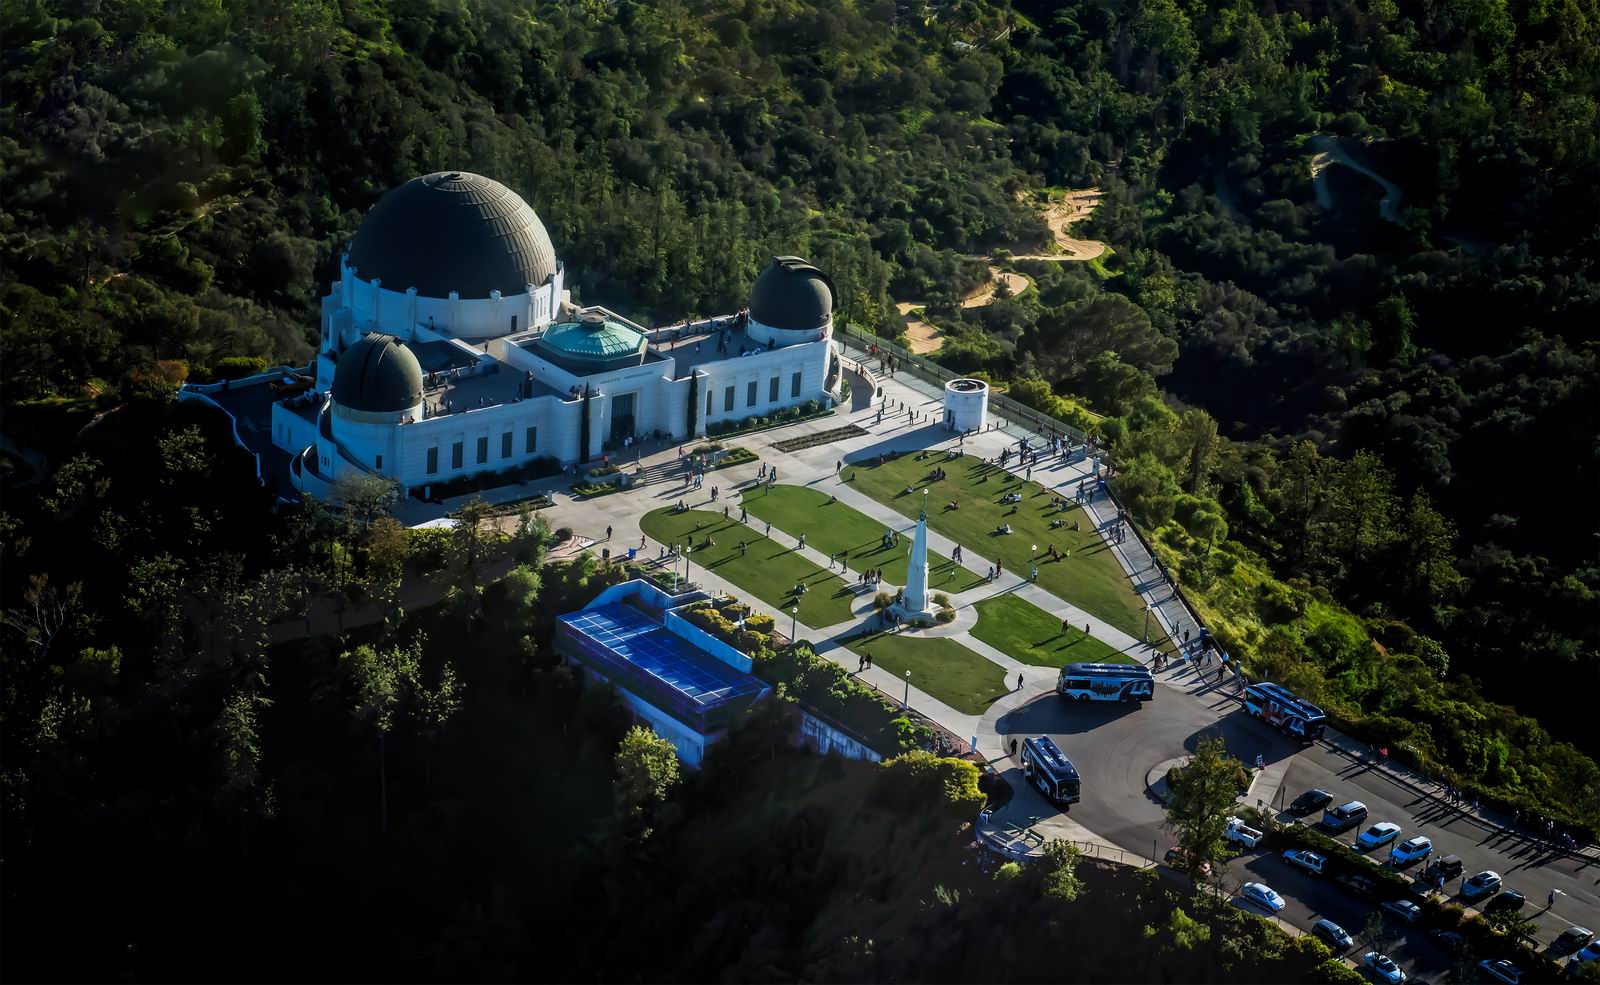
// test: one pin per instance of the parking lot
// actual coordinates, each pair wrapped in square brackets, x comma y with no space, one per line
[1115,747]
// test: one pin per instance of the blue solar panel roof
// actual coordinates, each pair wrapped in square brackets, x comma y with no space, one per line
[643,642]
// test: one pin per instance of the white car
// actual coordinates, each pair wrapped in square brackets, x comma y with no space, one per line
[1485,883]
[1382,968]
[1378,835]
[1404,909]
[1308,860]
[1411,850]
[1262,895]
[1502,970]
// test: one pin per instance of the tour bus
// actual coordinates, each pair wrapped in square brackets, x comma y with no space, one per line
[1051,771]
[1106,682]
[1275,704]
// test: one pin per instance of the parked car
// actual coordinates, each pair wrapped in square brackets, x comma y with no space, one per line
[1309,802]
[1305,859]
[1332,934]
[1382,968]
[1571,940]
[1242,833]
[1442,871]
[1502,970]
[1508,901]
[1485,883]
[1378,835]
[1263,895]
[1337,820]
[1590,952]
[1360,885]
[1404,909]
[1179,859]
[1449,939]
[1451,867]
[1411,850]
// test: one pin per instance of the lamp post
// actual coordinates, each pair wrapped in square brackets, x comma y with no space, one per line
[794,618]
[907,699]
[687,546]
[1147,625]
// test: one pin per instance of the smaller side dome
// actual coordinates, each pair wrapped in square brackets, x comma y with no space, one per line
[592,344]
[792,294]
[379,375]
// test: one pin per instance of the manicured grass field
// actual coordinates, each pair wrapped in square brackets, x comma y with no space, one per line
[1090,579]
[939,666]
[768,570]
[1026,633]
[834,527]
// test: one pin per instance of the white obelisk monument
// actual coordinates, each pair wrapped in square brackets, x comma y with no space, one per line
[915,606]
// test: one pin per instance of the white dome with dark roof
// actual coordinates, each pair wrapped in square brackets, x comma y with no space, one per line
[379,375]
[792,295]
[453,231]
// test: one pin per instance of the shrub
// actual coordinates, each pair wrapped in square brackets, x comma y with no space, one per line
[238,367]
[882,601]
[945,614]
[942,600]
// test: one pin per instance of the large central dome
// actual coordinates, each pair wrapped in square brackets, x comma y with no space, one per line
[453,231]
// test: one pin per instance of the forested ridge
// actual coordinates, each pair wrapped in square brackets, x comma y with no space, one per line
[1362,437]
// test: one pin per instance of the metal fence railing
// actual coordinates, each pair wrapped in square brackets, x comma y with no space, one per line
[1028,418]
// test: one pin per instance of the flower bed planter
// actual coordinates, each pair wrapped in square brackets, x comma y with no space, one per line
[819,438]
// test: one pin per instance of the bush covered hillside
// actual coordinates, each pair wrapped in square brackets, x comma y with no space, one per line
[1340,342]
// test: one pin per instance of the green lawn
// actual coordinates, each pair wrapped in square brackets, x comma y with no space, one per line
[834,527]
[769,569]
[1090,579]
[1026,633]
[939,666]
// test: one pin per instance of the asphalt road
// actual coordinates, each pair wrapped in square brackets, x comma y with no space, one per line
[1115,746]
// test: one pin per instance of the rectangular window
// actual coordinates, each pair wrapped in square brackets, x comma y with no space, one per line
[433,461]
[483,449]
[794,386]
[505,445]
[772,391]
[455,455]
[709,396]
[378,464]
[750,394]
[727,399]
[531,441]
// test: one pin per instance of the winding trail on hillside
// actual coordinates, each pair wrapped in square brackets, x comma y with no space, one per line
[1059,214]
[1331,150]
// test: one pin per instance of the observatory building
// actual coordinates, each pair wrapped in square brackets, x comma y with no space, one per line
[450,347]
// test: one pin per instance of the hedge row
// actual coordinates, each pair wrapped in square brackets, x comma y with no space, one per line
[536,468]
[788,415]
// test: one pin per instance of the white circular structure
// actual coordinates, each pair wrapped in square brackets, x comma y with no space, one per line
[966,405]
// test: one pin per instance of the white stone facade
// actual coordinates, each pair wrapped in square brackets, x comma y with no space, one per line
[489,340]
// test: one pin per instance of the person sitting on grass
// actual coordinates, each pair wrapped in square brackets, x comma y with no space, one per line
[1057,524]
[1004,528]
[952,505]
